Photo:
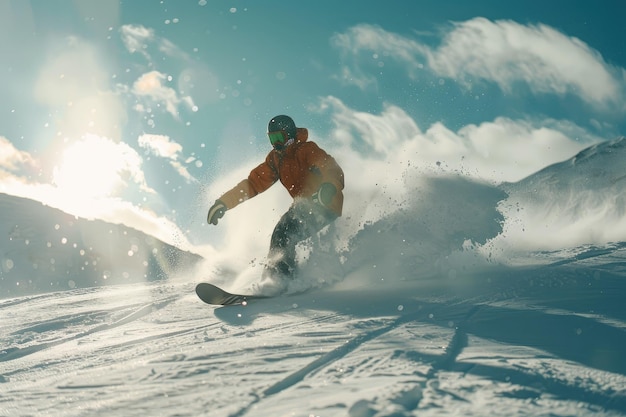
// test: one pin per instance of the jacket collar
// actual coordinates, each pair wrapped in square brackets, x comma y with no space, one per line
[302,134]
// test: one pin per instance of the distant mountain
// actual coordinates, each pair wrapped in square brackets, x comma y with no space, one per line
[45,249]
[575,202]
[597,167]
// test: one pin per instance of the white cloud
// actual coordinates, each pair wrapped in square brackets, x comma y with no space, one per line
[96,167]
[136,38]
[172,50]
[378,43]
[504,52]
[13,159]
[389,144]
[357,77]
[151,87]
[194,78]
[545,59]
[162,146]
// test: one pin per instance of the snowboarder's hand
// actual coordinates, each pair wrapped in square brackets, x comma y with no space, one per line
[216,212]
[325,194]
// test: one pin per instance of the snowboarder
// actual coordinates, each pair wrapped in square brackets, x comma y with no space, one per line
[311,176]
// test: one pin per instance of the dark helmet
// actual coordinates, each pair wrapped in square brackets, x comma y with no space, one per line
[284,123]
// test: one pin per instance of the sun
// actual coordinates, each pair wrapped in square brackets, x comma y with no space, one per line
[95,167]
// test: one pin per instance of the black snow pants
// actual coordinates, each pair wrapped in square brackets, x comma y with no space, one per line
[303,220]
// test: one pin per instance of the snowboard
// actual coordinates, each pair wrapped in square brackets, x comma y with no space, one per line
[211,294]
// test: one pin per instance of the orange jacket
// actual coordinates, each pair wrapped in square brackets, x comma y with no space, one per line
[301,167]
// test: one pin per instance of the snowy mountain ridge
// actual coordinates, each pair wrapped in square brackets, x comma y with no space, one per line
[600,165]
[578,201]
[43,249]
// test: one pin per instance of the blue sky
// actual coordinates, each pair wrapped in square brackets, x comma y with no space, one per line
[143,112]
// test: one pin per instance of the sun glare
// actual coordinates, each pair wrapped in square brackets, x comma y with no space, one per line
[93,167]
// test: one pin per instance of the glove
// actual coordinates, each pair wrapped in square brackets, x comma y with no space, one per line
[216,212]
[325,194]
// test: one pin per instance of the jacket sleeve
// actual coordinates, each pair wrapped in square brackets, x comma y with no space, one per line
[260,179]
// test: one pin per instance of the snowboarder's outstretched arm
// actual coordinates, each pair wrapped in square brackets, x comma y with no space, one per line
[260,179]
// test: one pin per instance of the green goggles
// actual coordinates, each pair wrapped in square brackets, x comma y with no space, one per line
[278,138]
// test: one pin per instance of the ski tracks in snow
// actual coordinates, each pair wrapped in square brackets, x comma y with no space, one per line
[130,313]
[407,399]
[438,358]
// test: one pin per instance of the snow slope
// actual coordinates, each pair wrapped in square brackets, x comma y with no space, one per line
[470,299]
